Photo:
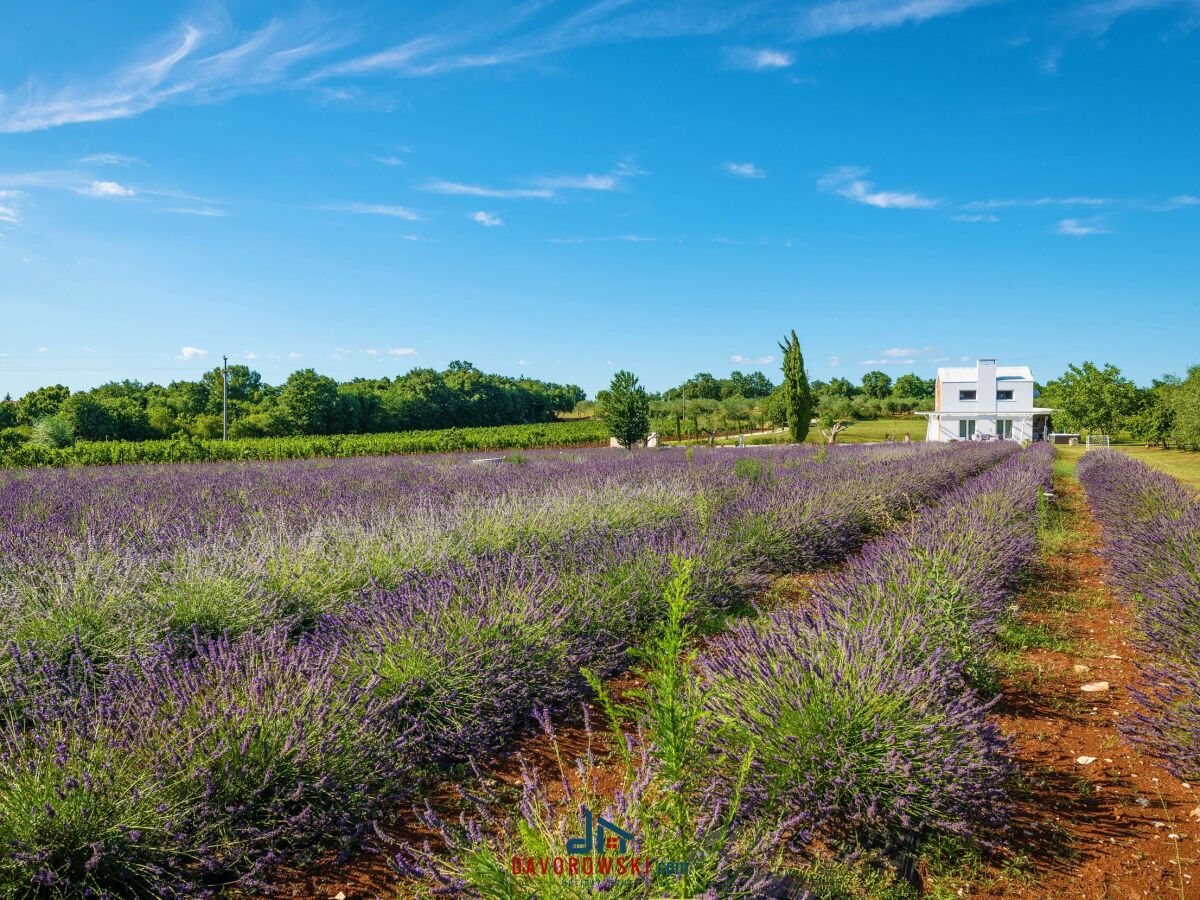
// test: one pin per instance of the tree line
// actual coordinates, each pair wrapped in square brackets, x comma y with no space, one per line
[705,406]
[307,403]
[1098,399]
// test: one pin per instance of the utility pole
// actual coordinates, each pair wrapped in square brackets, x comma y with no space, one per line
[225,398]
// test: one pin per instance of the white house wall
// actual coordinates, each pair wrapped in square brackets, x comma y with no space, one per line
[987,403]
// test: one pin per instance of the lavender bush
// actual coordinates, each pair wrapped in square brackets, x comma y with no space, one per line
[858,706]
[1151,528]
[177,775]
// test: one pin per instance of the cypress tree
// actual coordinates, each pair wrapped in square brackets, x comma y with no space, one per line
[797,396]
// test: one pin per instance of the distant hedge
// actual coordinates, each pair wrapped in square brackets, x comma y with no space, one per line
[503,437]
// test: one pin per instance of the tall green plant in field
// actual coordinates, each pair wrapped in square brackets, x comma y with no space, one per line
[680,799]
[797,396]
[627,409]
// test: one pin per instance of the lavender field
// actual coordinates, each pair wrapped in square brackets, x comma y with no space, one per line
[211,669]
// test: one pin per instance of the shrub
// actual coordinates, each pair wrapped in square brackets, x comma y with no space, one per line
[53,432]
[857,736]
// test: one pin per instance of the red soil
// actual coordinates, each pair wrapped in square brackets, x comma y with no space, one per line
[1120,826]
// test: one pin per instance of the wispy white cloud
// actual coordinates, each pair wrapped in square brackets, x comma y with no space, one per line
[191,353]
[205,211]
[461,38]
[843,16]
[1097,17]
[107,189]
[849,182]
[1179,201]
[626,238]
[752,360]
[294,355]
[487,219]
[759,59]
[249,355]
[112,159]
[975,217]
[401,351]
[458,188]
[901,351]
[745,170]
[8,209]
[199,62]
[886,362]
[587,182]
[1082,227]
[541,187]
[835,361]
[1003,203]
[375,209]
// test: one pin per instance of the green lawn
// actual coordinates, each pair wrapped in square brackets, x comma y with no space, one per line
[1183,464]
[864,432]
[869,430]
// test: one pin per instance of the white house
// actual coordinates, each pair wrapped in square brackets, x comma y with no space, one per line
[985,400]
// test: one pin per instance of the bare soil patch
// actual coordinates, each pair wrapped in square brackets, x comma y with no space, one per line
[1119,825]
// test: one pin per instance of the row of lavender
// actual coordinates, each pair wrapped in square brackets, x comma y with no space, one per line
[211,667]
[1151,528]
[862,709]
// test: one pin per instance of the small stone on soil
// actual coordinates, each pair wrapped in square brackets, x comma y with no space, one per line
[1093,687]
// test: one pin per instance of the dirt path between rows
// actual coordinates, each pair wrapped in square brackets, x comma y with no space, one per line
[1115,827]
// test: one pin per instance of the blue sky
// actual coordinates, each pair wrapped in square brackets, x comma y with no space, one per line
[563,189]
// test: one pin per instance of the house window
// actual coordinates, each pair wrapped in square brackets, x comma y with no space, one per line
[966,427]
[966,395]
[1004,428]
[1004,395]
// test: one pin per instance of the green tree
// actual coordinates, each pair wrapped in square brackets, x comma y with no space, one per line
[1093,399]
[749,385]
[876,384]
[797,398]
[772,408]
[914,386]
[1153,420]
[42,402]
[626,409]
[840,387]
[309,403]
[89,418]
[1184,403]
[8,412]
[835,417]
